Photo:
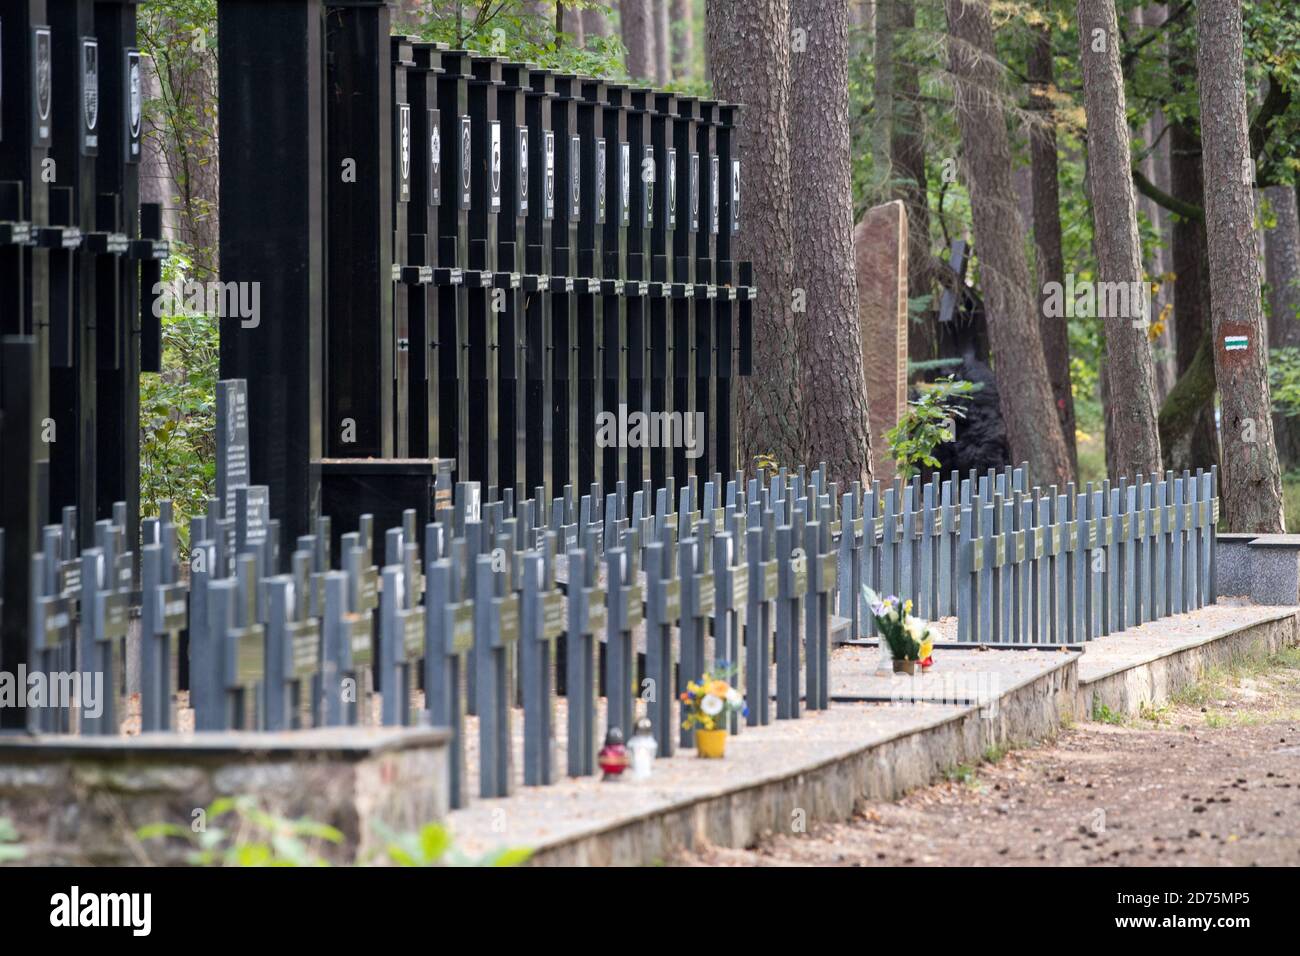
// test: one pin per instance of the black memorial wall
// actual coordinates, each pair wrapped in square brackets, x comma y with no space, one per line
[462,264]
[79,258]
[498,255]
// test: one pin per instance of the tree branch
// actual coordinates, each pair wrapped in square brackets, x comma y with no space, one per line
[1161,198]
[1156,31]
[1275,103]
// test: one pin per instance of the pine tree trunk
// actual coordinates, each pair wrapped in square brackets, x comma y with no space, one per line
[749,53]
[683,39]
[1188,434]
[1045,188]
[830,341]
[1282,270]
[1025,393]
[1136,442]
[1156,168]
[595,23]
[569,21]
[663,54]
[1251,484]
[882,109]
[636,18]
[867,25]
[908,158]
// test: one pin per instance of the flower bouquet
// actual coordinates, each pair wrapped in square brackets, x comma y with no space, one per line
[908,638]
[707,704]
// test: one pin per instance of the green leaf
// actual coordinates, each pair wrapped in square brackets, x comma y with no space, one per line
[252,854]
[153,831]
[434,842]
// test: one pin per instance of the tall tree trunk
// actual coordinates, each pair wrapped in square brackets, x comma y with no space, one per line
[595,23]
[1045,188]
[1024,390]
[188,120]
[1251,484]
[663,54]
[636,18]
[1131,422]
[1282,270]
[157,185]
[882,109]
[683,34]
[569,20]
[749,49]
[1188,435]
[830,341]
[867,25]
[1156,168]
[908,158]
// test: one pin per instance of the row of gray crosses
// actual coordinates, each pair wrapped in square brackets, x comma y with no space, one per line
[502,604]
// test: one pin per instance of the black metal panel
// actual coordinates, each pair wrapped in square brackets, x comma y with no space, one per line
[272,231]
[359,247]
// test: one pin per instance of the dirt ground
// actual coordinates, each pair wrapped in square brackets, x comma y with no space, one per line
[1212,778]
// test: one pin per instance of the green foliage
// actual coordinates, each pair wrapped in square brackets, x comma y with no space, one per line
[1291,498]
[512,28]
[1284,380]
[1104,715]
[432,846]
[178,411]
[238,832]
[10,849]
[928,421]
[180,39]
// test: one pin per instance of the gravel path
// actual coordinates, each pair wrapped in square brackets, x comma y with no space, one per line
[1213,778]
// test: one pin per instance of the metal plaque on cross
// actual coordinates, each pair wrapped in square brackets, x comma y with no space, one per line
[549,141]
[89,96]
[466,162]
[435,157]
[714,185]
[625,183]
[648,186]
[695,192]
[132,106]
[403,152]
[600,180]
[494,166]
[671,198]
[42,90]
[735,196]
[522,166]
[575,178]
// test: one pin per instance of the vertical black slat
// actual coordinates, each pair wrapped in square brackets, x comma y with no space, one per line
[270,193]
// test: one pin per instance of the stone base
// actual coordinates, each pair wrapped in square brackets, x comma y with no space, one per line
[1233,564]
[81,800]
[1275,569]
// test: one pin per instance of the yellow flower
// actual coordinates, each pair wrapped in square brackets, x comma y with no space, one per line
[907,606]
[926,648]
[707,721]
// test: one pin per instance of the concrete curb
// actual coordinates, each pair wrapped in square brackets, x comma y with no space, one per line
[831,790]
[1128,689]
